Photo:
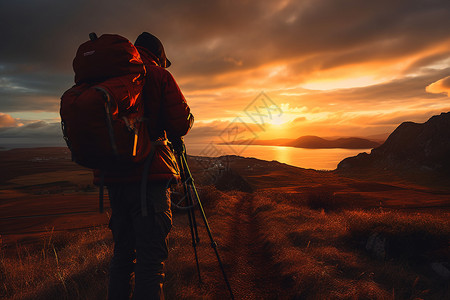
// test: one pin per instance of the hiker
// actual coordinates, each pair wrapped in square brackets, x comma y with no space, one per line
[138,237]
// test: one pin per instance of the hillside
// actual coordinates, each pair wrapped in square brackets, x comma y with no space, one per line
[282,232]
[412,148]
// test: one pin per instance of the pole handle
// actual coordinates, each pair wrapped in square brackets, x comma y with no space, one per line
[93,36]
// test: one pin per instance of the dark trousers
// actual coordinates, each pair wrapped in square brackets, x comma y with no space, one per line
[140,243]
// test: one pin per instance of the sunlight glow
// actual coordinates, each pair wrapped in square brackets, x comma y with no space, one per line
[279,120]
[274,71]
[281,153]
[341,83]
[37,115]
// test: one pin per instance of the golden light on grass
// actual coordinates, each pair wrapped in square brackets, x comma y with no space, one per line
[301,232]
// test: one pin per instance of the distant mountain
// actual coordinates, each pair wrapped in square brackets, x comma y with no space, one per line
[410,147]
[316,142]
[274,142]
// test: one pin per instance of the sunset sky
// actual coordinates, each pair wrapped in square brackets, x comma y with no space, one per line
[320,67]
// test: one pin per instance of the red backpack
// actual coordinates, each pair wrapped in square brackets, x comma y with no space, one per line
[102,115]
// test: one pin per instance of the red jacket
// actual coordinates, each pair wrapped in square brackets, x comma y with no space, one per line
[169,116]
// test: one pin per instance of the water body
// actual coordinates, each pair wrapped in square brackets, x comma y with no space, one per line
[319,159]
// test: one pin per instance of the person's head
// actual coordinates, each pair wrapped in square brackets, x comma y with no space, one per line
[154,45]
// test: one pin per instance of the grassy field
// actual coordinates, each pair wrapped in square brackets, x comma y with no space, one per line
[283,233]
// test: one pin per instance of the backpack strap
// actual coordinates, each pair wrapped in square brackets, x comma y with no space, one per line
[109,121]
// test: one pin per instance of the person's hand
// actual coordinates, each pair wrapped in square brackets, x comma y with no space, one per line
[178,145]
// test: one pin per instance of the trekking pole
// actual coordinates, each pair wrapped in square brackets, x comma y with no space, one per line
[191,216]
[189,181]
[188,196]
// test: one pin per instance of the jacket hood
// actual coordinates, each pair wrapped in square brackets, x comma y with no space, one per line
[147,57]
[154,45]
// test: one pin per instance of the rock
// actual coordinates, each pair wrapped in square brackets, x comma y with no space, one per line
[376,245]
[442,269]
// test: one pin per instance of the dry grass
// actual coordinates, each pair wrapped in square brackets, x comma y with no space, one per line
[60,266]
[182,281]
[323,254]
[286,248]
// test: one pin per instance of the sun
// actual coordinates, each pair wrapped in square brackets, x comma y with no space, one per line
[279,120]
[284,118]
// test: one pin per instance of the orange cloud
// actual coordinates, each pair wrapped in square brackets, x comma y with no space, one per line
[440,86]
[7,121]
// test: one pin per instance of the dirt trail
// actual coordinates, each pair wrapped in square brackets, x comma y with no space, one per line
[254,275]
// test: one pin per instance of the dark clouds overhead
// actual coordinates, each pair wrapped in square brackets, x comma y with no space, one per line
[48,32]
[225,52]
[322,34]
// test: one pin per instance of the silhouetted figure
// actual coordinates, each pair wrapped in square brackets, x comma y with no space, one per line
[140,242]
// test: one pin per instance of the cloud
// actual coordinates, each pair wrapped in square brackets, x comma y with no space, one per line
[7,121]
[35,129]
[29,89]
[237,128]
[440,86]
[38,133]
[225,53]
[322,35]
[219,37]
